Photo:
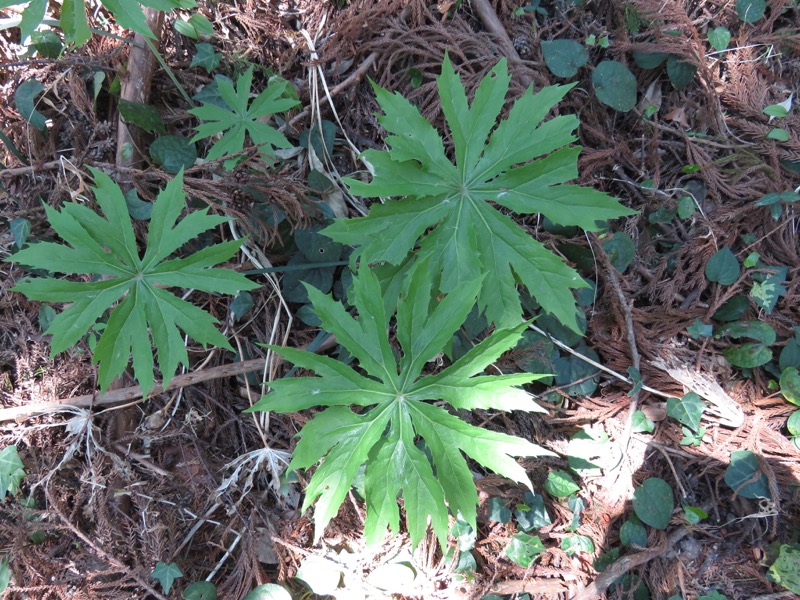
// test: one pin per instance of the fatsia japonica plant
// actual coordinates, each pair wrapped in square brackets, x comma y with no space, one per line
[240,116]
[396,409]
[106,250]
[446,211]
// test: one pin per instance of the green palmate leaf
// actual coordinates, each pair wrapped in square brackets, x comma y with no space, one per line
[447,210]
[384,436]
[240,116]
[166,574]
[145,310]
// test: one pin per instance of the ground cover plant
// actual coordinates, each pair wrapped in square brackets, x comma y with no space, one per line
[377,369]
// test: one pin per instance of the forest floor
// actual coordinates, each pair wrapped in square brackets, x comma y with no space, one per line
[118,483]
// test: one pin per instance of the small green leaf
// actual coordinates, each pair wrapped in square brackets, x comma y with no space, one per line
[575,374]
[317,248]
[197,27]
[790,355]
[585,449]
[649,60]
[744,476]
[621,250]
[785,571]
[399,576]
[20,230]
[694,515]
[687,411]
[205,57]
[775,110]
[464,534]
[560,484]
[602,562]
[751,260]
[793,423]
[142,115]
[46,316]
[241,305]
[12,471]
[268,591]
[680,71]
[748,356]
[166,574]
[533,514]
[778,134]
[294,282]
[750,11]
[691,437]
[767,293]
[633,533]
[577,543]
[173,153]
[653,502]
[754,330]
[5,574]
[698,329]
[138,208]
[686,208]
[498,510]
[732,310]
[790,385]
[200,590]
[25,101]
[31,18]
[47,44]
[719,38]
[641,424]
[723,267]
[524,549]
[466,564]
[321,575]
[615,85]
[564,57]
[636,378]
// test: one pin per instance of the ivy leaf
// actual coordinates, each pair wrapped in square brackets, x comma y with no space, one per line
[384,436]
[166,574]
[447,206]
[107,247]
[241,116]
[12,471]
[687,411]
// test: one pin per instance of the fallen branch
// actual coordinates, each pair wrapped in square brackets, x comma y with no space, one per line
[618,568]
[130,394]
[493,25]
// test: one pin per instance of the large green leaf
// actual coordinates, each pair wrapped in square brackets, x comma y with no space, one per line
[449,207]
[107,247]
[397,409]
